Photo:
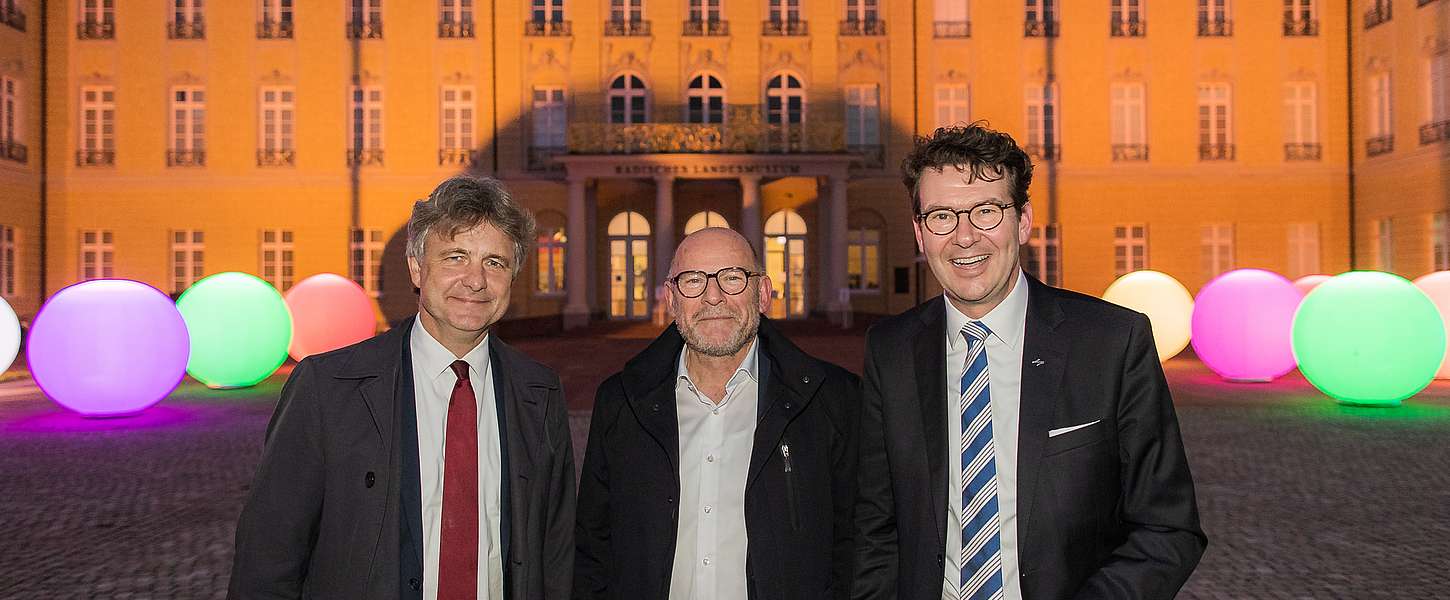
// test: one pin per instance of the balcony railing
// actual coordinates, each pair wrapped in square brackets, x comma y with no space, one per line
[450,29]
[1219,28]
[623,28]
[857,27]
[276,158]
[1039,28]
[1044,151]
[461,157]
[708,28]
[13,150]
[96,30]
[186,158]
[1380,12]
[951,29]
[1376,146]
[1120,27]
[1130,152]
[743,132]
[1301,27]
[274,30]
[1434,132]
[1297,152]
[186,30]
[12,15]
[364,157]
[95,158]
[1216,152]
[872,156]
[541,158]
[364,30]
[548,28]
[786,27]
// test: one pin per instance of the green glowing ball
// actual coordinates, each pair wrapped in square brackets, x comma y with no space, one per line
[1368,338]
[240,329]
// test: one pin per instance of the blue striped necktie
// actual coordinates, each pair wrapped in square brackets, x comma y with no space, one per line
[981,558]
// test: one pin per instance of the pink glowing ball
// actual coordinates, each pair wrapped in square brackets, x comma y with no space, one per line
[108,347]
[1437,286]
[328,312]
[1243,323]
[1307,283]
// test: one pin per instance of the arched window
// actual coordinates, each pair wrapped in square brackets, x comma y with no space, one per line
[628,100]
[706,100]
[703,219]
[628,266]
[785,110]
[785,263]
[863,250]
[550,247]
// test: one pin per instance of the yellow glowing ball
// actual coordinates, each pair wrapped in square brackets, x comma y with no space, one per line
[329,311]
[1437,286]
[1167,303]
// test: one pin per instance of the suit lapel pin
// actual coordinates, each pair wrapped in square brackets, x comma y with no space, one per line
[1037,362]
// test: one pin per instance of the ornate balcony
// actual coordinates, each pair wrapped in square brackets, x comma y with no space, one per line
[782,28]
[1376,146]
[1301,27]
[743,132]
[548,28]
[856,27]
[1220,28]
[1302,152]
[450,29]
[96,30]
[951,29]
[186,30]
[1044,151]
[620,28]
[13,150]
[1130,152]
[1434,132]
[365,30]
[276,158]
[459,157]
[274,30]
[1382,11]
[1216,152]
[364,157]
[706,28]
[95,158]
[1119,27]
[12,15]
[186,158]
[1039,28]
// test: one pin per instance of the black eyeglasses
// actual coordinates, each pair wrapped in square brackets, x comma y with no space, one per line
[942,221]
[732,281]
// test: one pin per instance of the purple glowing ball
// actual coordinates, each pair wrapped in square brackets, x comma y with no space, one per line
[108,347]
[1243,323]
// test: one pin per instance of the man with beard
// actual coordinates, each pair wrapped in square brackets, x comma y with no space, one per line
[721,461]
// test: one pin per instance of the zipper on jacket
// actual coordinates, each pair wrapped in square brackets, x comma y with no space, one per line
[790,494]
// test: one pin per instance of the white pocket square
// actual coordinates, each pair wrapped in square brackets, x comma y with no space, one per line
[1056,432]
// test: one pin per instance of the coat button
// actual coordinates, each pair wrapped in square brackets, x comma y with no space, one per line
[415,584]
[670,500]
[787,406]
[656,407]
[369,479]
[806,379]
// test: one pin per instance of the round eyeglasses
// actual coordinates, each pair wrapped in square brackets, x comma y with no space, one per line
[985,216]
[732,281]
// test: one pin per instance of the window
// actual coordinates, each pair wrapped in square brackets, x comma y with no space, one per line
[1301,121]
[98,126]
[863,117]
[98,20]
[1218,249]
[187,22]
[705,100]
[785,18]
[704,219]
[1213,18]
[276,20]
[365,19]
[275,127]
[1124,13]
[549,118]
[630,11]
[1439,89]
[1041,18]
[365,126]
[1303,249]
[1384,246]
[951,19]
[11,147]
[1300,18]
[1215,124]
[188,127]
[705,10]
[9,262]
[455,19]
[863,253]
[277,258]
[547,11]
[628,100]
[1128,121]
[1043,258]
[97,254]
[365,262]
[953,104]
[1043,126]
[550,246]
[862,10]
[785,108]
[1381,117]
[456,140]
[1130,248]
[188,254]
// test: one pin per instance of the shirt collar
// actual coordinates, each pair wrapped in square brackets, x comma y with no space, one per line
[749,366]
[1007,320]
[435,359]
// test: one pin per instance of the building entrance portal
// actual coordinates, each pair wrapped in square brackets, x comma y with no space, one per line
[785,263]
[628,266]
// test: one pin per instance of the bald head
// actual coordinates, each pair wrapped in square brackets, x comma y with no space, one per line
[706,247]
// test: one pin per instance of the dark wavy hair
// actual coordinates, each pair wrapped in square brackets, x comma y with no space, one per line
[984,153]
[463,202]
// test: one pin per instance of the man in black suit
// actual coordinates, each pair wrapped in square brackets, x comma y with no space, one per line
[432,461]
[721,461]
[1018,440]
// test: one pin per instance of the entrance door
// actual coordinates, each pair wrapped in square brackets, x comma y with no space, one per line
[629,266]
[785,263]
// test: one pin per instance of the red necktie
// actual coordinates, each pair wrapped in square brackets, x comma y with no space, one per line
[458,547]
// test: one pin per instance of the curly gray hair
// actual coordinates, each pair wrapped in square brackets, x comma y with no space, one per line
[463,202]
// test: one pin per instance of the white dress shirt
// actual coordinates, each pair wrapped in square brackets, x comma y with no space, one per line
[433,381]
[1008,322]
[715,445]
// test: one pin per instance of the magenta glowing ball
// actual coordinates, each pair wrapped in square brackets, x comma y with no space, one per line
[108,347]
[329,311]
[1435,285]
[1243,324]
[1307,283]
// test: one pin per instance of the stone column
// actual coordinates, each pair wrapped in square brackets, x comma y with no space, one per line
[664,228]
[836,250]
[576,276]
[751,225]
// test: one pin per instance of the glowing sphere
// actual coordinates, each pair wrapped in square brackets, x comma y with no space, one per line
[240,329]
[1307,283]
[1166,302]
[1242,321]
[1366,337]
[1435,285]
[328,312]
[108,347]
[9,335]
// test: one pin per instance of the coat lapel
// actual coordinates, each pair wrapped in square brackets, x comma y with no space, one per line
[649,385]
[1044,360]
[929,353]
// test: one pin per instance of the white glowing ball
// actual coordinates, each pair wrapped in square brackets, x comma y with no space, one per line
[9,335]
[1307,283]
[1435,285]
[1167,303]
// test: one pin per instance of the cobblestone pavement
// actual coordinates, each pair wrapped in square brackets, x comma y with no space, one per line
[1301,498]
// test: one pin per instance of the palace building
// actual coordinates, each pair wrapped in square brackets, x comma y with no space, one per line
[165,140]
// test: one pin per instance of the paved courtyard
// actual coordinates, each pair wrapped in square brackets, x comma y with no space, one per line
[1301,498]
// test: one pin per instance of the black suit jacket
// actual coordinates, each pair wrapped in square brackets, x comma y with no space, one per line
[798,523]
[1105,511]
[334,510]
